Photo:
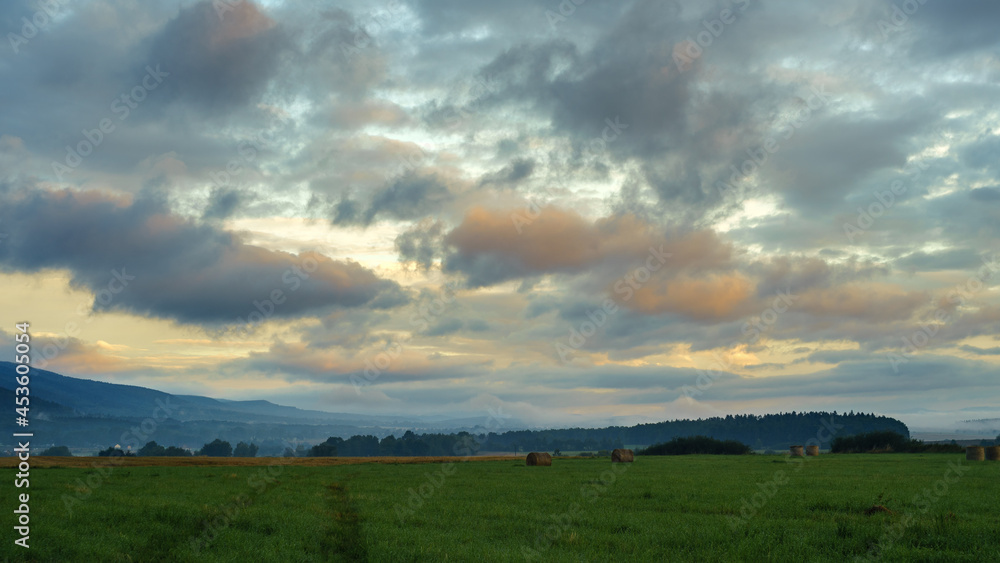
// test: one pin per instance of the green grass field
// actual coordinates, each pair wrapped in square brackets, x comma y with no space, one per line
[687,508]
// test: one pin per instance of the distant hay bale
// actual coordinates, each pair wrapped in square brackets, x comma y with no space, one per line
[975,453]
[538,458]
[796,451]
[621,455]
[993,453]
[812,451]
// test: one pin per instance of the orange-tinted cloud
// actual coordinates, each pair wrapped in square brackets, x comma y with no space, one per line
[492,246]
[717,297]
[872,302]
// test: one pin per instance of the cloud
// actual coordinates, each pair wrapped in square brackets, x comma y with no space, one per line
[219,61]
[224,202]
[519,169]
[139,257]
[995,351]
[871,302]
[410,196]
[491,246]
[711,298]
[421,243]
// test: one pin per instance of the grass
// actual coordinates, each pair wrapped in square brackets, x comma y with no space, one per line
[683,508]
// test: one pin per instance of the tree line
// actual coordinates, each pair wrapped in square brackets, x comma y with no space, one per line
[887,442]
[760,432]
[769,431]
[215,448]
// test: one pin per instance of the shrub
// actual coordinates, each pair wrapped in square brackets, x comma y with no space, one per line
[216,448]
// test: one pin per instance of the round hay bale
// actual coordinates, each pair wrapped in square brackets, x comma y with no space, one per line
[796,451]
[538,458]
[975,453]
[621,455]
[993,453]
[812,451]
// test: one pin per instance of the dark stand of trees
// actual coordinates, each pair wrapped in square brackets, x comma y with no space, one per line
[737,433]
[774,431]
[115,452]
[885,442]
[244,449]
[216,448]
[777,431]
[154,449]
[57,451]
[697,445]
[409,445]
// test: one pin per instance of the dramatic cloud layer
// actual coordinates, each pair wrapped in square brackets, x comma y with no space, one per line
[441,206]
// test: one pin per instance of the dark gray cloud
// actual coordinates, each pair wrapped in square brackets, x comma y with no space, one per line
[224,202]
[219,59]
[955,28]
[410,196]
[174,268]
[422,243]
[519,169]
[986,195]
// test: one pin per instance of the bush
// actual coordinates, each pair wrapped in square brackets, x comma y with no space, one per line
[697,445]
[216,448]
[326,449]
[152,449]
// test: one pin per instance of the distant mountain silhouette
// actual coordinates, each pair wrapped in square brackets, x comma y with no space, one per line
[85,413]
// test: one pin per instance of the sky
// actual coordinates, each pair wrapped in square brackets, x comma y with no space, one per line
[581,213]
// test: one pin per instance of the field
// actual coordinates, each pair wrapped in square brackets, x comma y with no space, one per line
[894,507]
